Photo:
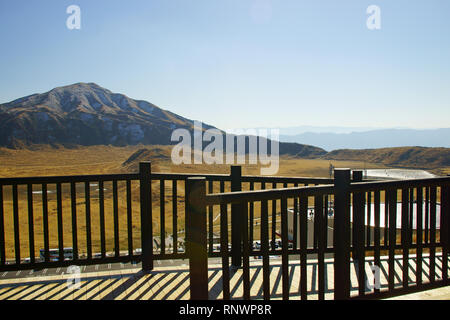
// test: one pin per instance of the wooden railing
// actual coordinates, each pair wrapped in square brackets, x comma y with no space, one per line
[351,242]
[79,206]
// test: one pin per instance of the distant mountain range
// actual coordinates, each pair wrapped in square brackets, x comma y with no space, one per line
[380,138]
[87,114]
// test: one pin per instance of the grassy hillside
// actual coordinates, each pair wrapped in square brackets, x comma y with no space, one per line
[408,157]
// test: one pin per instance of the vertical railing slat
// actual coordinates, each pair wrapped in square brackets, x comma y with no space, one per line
[87,198]
[284,249]
[30,223]
[358,233]
[433,234]
[251,223]
[2,229]
[210,220]
[16,223]
[175,216]
[303,212]
[73,206]
[245,253]
[295,222]
[265,248]
[224,248]
[419,234]
[102,218]
[162,221]
[392,204]
[45,222]
[274,219]
[116,220]
[60,221]
[129,218]
[376,233]
[405,237]
[321,229]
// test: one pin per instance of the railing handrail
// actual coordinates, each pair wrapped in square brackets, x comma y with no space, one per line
[272,194]
[68,179]
[159,175]
[268,194]
[381,185]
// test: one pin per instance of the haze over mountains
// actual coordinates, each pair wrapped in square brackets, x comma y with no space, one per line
[336,138]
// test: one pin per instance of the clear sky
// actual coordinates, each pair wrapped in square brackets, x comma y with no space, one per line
[241,63]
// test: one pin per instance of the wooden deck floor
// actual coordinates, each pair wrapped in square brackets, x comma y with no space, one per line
[172,283]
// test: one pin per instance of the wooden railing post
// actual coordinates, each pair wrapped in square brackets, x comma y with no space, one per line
[236,219]
[196,234]
[145,183]
[358,234]
[445,230]
[342,234]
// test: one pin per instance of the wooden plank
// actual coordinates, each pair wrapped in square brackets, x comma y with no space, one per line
[369,216]
[274,219]
[392,204]
[145,186]
[358,239]
[252,222]
[433,234]
[284,249]
[303,212]
[419,234]
[265,248]
[60,221]
[30,223]
[295,222]
[427,214]
[224,249]
[376,232]
[45,222]
[445,223]
[210,220]
[162,224]
[197,239]
[16,223]
[405,236]
[386,218]
[129,218]
[342,234]
[102,217]
[116,220]
[73,206]
[2,229]
[321,229]
[245,253]
[175,215]
[87,199]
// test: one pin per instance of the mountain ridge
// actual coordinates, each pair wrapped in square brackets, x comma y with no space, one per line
[88,114]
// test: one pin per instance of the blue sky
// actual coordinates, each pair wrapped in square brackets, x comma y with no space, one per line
[241,63]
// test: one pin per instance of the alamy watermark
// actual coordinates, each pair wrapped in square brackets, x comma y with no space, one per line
[74,281]
[74,20]
[374,20]
[239,146]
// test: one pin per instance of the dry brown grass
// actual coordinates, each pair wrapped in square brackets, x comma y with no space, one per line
[46,161]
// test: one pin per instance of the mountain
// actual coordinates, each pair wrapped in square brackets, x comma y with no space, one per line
[87,114]
[381,138]
[411,157]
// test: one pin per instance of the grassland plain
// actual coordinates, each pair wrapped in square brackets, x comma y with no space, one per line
[51,161]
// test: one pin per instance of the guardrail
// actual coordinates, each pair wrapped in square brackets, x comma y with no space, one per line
[350,241]
[80,205]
